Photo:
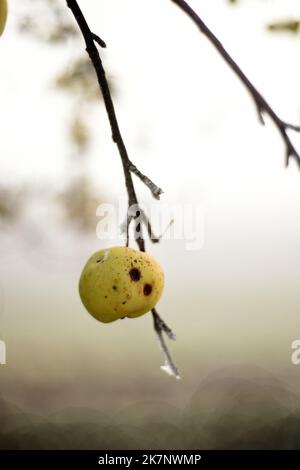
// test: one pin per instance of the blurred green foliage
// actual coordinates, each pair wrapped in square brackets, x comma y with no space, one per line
[79,202]
[46,21]
[11,203]
[49,22]
[286,26]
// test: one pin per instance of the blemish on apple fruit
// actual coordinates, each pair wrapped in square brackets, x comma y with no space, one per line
[147,289]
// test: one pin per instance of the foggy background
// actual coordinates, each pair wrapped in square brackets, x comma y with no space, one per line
[71,382]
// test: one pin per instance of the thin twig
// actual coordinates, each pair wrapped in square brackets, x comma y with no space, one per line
[263,107]
[99,40]
[163,326]
[160,327]
[155,190]
[128,167]
[131,214]
[154,238]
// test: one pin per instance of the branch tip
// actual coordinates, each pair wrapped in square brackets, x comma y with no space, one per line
[98,40]
[160,326]
[263,107]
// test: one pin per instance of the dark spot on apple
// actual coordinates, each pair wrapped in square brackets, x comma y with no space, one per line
[135,274]
[114,287]
[147,289]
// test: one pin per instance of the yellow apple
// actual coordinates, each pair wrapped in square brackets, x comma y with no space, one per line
[120,282]
[3,15]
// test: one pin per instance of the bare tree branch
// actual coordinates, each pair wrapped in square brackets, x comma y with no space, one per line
[94,55]
[263,107]
[128,167]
